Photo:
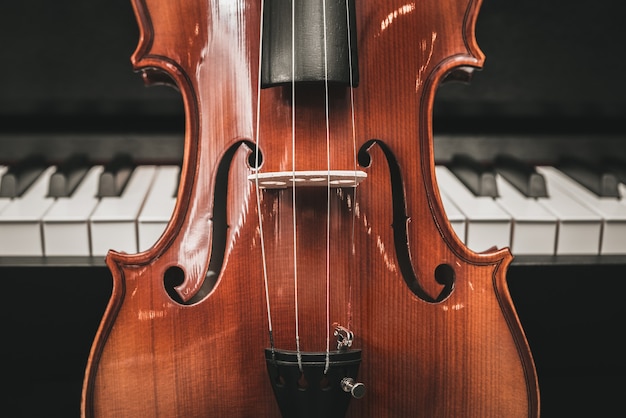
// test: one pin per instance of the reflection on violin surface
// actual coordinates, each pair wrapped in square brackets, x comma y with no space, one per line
[535,100]
[308,290]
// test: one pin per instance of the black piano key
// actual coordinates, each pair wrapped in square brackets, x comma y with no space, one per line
[180,173]
[617,167]
[478,178]
[115,176]
[19,177]
[595,178]
[68,175]
[523,176]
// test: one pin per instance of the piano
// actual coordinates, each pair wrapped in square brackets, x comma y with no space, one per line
[82,210]
[88,222]
[544,108]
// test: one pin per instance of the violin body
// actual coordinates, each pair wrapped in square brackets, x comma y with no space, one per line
[195,323]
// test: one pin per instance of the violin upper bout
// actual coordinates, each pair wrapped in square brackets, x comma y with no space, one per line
[470,32]
[151,75]
[461,67]
[164,36]
[146,33]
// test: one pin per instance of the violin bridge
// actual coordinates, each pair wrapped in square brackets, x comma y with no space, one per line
[323,178]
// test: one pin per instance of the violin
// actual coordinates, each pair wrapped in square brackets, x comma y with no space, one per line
[308,269]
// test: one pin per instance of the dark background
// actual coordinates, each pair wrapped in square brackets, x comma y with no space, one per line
[557,61]
[553,66]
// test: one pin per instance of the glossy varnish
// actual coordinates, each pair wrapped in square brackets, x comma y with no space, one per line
[436,325]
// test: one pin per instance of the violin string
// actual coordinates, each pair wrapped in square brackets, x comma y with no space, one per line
[328,192]
[293,183]
[258,193]
[354,155]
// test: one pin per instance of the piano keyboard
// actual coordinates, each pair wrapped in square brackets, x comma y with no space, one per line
[83,224]
[560,217]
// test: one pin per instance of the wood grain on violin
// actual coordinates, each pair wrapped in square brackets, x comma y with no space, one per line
[308,269]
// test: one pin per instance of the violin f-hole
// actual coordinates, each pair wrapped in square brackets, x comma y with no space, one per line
[399,225]
[175,276]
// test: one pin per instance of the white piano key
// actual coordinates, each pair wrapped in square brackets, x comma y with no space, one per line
[20,220]
[612,213]
[159,205]
[579,228]
[454,215]
[487,224]
[66,224]
[534,227]
[4,201]
[113,224]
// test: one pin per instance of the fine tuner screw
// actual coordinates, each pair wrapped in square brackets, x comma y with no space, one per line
[356,389]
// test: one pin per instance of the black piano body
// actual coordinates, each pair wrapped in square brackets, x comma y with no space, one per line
[550,89]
